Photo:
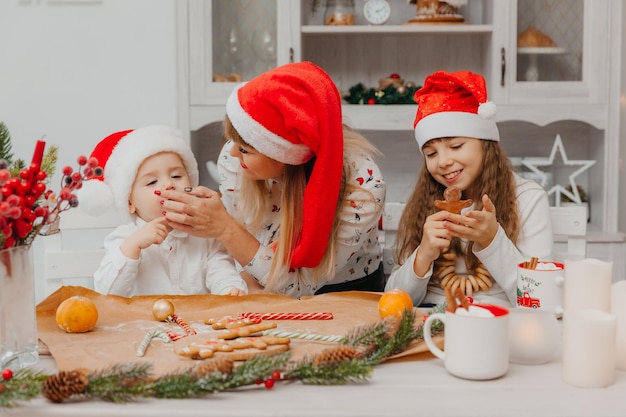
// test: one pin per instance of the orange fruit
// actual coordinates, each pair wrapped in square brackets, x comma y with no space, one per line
[394,302]
[77,314]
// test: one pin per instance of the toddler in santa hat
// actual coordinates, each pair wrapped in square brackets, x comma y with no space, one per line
[506,219]
[301,194]
[145,256]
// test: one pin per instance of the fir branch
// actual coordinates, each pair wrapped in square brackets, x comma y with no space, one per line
[5,144]
[181,385]
[335,372]
[119,383]
[23,386]
[49,162]
[259,367]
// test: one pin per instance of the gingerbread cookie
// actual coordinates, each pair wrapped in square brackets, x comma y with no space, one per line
[246,330]
[237,349]
[452,201]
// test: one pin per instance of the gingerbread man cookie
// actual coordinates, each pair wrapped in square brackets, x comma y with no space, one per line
[452,201]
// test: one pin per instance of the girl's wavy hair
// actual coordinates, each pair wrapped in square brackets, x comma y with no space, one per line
[496,180]
[254,203]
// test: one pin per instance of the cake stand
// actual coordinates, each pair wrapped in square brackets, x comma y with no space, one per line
[532,72]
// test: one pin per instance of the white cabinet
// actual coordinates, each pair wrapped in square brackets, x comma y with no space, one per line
[564,89]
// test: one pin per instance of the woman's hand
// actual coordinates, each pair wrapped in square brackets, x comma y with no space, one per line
[479,226]
[199,212]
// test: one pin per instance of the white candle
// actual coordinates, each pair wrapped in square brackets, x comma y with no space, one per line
[588,285]
[588,348]
[618,308]
[533,336]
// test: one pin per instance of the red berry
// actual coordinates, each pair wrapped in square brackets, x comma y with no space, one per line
[38,189]
[9,242]
[65,193]
[76,177]
[24,174]
[82,160]
[276,375]
[93,162]
[5,191]
[5,175]
[371,101]
[258,381]
[67,170]
[2,387]
[41,175]
[394,76]
[13,200]
[22,228]
[269,383]
[40,211]
[7,374]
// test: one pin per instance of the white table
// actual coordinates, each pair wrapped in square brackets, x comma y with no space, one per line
[414,387]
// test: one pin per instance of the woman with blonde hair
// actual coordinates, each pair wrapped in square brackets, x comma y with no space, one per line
[301,194]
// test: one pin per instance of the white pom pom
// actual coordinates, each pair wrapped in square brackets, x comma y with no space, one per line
[487,110]
[94,197]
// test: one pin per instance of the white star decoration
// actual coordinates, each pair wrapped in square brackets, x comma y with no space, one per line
[558,190]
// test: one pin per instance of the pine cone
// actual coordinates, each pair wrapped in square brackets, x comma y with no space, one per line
[63,385]
[207,367]
[335,354]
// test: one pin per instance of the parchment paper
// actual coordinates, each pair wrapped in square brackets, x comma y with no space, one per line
[123,322]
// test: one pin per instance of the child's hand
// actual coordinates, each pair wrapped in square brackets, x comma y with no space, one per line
[236,291]
[151,233]
[479,226]
[435,239]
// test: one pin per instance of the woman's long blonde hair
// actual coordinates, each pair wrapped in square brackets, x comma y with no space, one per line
[253,203]
[496,180]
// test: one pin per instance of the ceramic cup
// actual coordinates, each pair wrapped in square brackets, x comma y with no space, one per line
[541,288]
[475,347]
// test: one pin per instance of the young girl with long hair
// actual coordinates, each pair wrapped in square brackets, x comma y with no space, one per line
[508,221]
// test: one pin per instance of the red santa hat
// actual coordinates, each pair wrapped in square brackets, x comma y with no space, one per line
[120,155]
[454,104]
[292,113]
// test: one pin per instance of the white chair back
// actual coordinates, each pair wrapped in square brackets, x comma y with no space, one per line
[72,255]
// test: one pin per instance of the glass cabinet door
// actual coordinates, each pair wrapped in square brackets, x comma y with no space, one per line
[232,41]
[243,37]
[549,40]
[555,50]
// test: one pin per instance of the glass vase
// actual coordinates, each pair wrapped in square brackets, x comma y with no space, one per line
[18,319]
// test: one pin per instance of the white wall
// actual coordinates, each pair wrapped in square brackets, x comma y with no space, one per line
[78,70]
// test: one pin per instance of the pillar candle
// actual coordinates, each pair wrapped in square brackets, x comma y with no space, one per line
[588,348]
[618,309]
[588,285]
[534,336]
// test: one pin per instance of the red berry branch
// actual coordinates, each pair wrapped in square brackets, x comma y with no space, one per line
[25,203]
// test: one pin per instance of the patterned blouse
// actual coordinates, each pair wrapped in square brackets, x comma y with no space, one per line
[358,251]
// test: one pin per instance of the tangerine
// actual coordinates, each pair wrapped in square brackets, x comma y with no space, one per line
[394,302]
[77,314]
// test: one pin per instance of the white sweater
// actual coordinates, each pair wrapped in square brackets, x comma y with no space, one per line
[500,258]
[181,264]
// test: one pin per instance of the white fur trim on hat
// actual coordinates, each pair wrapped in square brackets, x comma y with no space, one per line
[122,165]
[263,140]
[452,124]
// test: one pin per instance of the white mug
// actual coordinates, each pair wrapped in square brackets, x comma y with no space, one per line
[541,288]
[474,347]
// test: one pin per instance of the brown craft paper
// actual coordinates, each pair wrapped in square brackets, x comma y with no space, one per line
[123,323]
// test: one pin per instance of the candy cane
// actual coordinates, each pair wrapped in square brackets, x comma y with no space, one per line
[141,349]
[183,324]
[289,316]
[305,336]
